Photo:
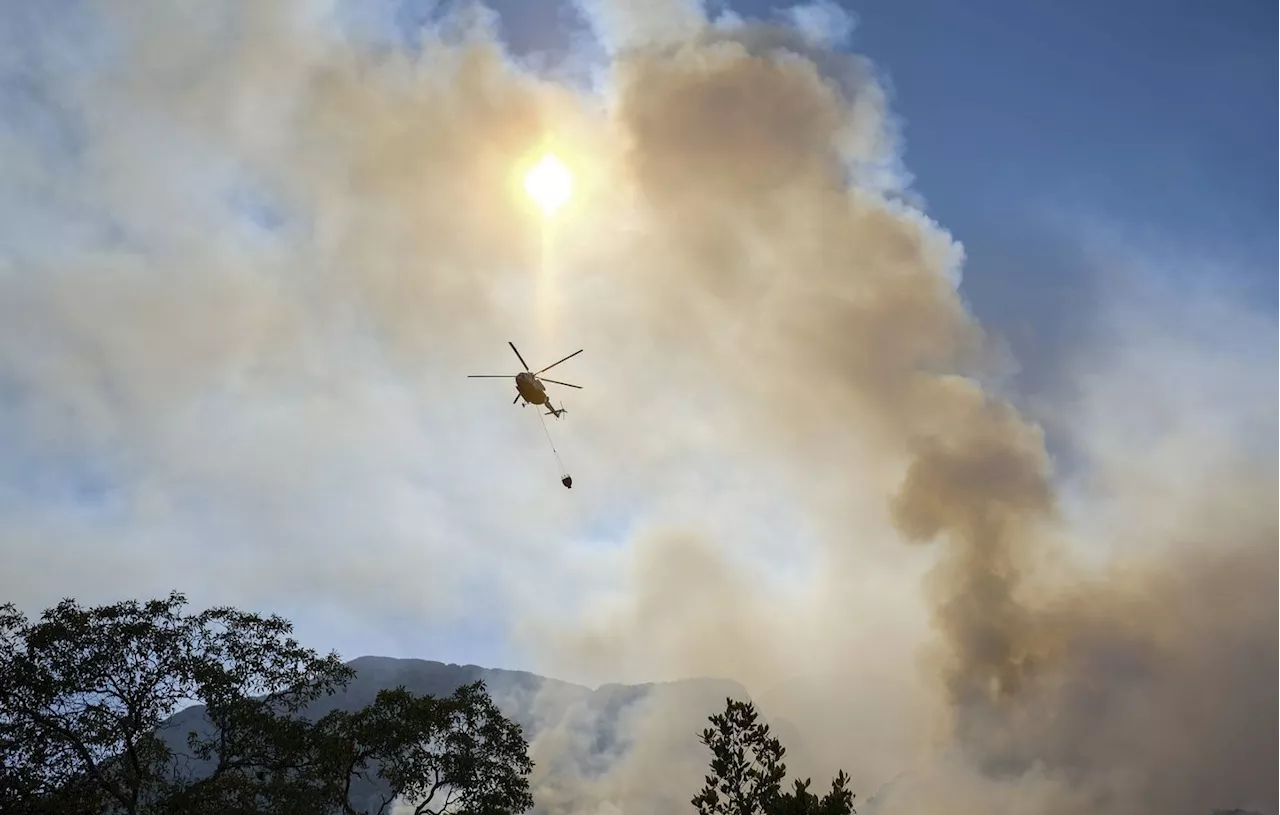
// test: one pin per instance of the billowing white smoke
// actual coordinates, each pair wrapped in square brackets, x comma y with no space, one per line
[243,290]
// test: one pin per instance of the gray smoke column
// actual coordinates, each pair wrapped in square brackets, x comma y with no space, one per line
[744,146]
[821,302]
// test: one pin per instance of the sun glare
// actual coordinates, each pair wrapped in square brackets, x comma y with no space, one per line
[549,184]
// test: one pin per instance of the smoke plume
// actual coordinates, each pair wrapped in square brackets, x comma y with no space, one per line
[251,249]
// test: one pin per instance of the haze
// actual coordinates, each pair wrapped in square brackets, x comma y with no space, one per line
[1014,548]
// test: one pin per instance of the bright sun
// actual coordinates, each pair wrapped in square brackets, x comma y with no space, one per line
[549,184]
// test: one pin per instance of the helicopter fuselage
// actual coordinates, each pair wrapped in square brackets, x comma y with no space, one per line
[531,388]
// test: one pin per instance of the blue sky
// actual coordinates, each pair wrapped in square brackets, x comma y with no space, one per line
[1056,141]
[1023,117]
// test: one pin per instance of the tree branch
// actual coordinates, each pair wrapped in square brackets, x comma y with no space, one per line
[81,750]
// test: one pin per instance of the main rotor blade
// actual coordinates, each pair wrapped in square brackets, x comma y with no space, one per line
[491,376]
[557,382]
[513,348]
[554,364]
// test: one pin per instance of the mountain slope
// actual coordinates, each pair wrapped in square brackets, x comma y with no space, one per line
[628,746]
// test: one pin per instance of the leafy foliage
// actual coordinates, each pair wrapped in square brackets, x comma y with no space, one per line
[747,772]
[85,693]
[454,755]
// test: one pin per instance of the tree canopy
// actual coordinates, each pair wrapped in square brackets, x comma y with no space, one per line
[458,754]
[85,694]
[88,698]
[747,772]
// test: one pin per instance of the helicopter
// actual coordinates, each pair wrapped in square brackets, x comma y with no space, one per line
[529,386]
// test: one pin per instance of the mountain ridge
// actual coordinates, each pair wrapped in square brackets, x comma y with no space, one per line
[616,748]
[581,739]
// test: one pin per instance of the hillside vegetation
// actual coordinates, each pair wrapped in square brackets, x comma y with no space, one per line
[141,707]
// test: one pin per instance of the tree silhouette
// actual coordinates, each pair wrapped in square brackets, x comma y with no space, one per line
[747,772]
[453,755]
[85,694]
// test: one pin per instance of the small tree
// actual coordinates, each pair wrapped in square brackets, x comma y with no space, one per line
[747,772]
[453,755]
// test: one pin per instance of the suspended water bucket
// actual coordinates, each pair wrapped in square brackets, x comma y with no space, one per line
[567,481]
